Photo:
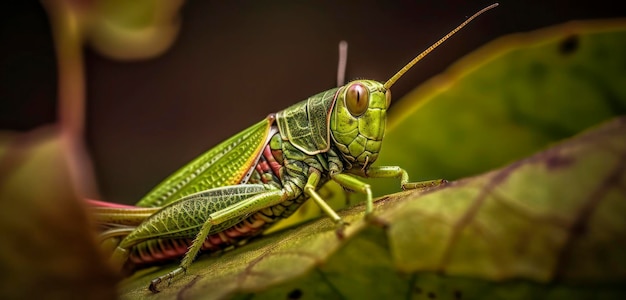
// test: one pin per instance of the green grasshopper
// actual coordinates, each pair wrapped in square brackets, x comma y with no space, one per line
[238,189]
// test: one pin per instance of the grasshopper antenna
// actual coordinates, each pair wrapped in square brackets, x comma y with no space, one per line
[408,66]
[343,60]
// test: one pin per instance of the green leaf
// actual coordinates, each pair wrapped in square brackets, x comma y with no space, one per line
[548,226]
[507,100]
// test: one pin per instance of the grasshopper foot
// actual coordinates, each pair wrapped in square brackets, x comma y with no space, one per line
[423,184]
[156,284]
[341,226]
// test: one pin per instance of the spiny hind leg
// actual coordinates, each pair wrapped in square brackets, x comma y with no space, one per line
[245,207]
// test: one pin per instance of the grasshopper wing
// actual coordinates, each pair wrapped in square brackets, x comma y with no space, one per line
[226,164]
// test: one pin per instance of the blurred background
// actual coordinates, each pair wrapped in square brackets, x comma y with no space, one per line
[232,63]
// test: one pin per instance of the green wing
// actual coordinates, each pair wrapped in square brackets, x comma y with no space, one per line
[226,164]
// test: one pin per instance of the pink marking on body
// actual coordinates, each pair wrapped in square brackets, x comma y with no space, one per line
[232,232]
[259,170]
[242,229]
[214,239]
[143,256]
[98,203]
[183,248]
[158,254]
[178,247]
[170,251]
[255,224]
[264,166]
[274,165]
[208,246]
[223,237]
[175,248]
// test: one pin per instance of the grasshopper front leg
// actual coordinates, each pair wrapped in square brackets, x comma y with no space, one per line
[356,185]
[397,172]
[310,190]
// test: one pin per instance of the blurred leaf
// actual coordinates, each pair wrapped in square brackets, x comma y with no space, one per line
[128,30]
[507,100]
[549,226]
[123,30]
[47,249]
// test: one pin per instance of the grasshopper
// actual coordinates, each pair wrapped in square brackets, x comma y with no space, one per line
[239,188]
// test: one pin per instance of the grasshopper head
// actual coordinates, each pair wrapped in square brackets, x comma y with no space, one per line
[357,122]
[358,119]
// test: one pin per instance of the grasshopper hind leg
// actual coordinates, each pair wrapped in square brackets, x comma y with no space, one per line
[245,207]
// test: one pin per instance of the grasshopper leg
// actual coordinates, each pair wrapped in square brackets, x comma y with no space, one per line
[248,206]
[361,187]
[356,185]
[397,172]
[309,189]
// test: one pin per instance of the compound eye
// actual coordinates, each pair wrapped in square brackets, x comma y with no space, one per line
[388,98]
[357,99]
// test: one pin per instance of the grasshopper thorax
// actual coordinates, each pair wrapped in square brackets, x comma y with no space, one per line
[357,121]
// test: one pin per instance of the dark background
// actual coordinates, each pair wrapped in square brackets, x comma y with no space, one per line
[236,61]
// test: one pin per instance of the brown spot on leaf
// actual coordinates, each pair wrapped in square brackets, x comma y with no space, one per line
[458,294]
[569,45]
[579,227]
[295,294]
[557,161]
[432,295]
